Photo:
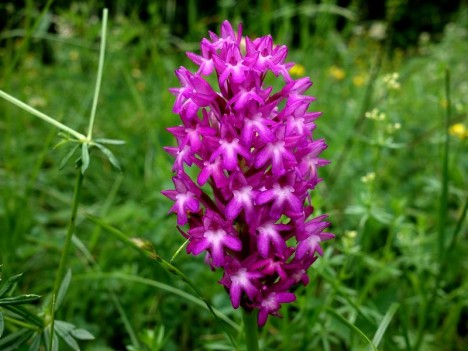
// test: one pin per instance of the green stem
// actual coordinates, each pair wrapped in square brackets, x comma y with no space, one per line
[99,73]
[441,249]
[41,115]
[66,249]
[250,330]
[445,173]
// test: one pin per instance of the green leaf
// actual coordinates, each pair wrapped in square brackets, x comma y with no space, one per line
[154,283]
[65,138]
[55,341]
[160,337]
[112,159]
[110,141]
[384,324]
[8,287]
[356,210]
[381,216]
[63,289]
[64,329]
[84,157]
[19,300]
[82,334]
[2,324]
[35,343]
[151,254]
[351,326]
[179,250]
[60,143]
[14,340]
[24,313]
[68,155]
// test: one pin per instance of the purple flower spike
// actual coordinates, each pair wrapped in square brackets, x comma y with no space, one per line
[253,160]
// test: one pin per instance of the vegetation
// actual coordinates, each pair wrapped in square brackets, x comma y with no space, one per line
[394,278]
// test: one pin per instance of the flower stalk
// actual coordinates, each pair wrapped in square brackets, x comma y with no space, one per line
[250,329]
[99,74]
[42,116]
[66,248]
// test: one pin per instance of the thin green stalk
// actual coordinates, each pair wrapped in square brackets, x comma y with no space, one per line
[29,32]
[66,249]
[149,252]
[441,250]
[99,275]
[104,210]
[445,176]
[42,116]
[366,101]
[123,315]
[457,230]
[99,74]
[250,330]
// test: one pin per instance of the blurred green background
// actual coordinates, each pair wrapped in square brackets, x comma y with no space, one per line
[397,268]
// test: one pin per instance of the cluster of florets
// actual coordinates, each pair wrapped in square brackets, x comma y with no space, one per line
[244,165]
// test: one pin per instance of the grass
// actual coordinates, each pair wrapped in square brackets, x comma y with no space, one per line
[397,196]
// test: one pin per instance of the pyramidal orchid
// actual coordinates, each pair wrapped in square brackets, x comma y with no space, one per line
[245,163]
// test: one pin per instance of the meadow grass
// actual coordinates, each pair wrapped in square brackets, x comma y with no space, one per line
[396,189]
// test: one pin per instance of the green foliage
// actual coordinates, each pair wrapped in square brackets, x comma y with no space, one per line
[396,188]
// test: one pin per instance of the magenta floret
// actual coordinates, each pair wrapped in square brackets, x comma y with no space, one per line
[254,149]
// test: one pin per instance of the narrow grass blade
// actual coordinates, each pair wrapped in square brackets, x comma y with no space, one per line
[158,285]
[459,225]
[179,250]
[8,287]
[19,300]
[2,324]
[35,343]
[445,177]
[63,289]
[351,327]
[27,315]
[113,296]
[384,324]
[148,251]
[14,340]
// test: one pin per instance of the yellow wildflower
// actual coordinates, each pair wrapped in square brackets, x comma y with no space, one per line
[297,70]
[359,80]
[337,73]
[458,130]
